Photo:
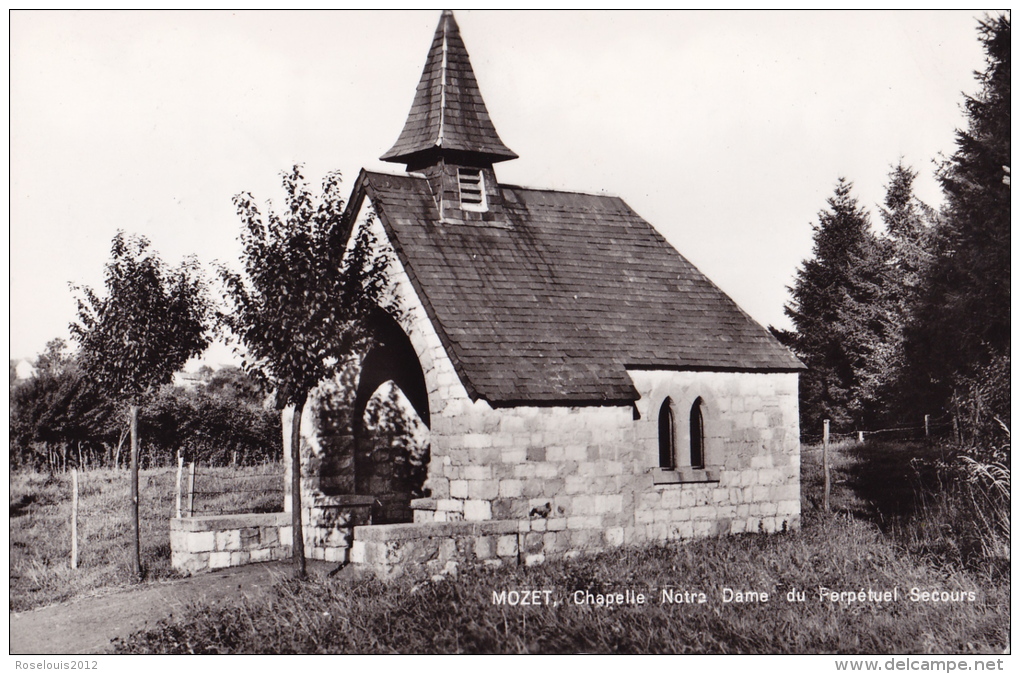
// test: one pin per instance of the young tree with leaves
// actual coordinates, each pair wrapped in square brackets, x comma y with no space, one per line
[152,320]
[303,304]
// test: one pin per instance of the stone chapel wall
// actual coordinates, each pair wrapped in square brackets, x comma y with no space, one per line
[587,477]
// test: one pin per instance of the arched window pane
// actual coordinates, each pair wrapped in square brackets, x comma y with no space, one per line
[667,435]
[697,436]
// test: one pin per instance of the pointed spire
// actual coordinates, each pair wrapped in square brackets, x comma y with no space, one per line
[448,112]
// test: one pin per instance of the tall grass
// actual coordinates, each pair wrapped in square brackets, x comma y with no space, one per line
[361,615]
[963,513]
[882,507]
[40,526]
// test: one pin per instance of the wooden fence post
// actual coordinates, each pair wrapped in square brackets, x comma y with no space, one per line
[926,425]
[825,463]
[136,553]
[74,518]
[191,489]
[180,472]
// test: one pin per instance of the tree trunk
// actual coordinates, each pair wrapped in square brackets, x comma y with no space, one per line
[136,556]
[298,544]
[116,457]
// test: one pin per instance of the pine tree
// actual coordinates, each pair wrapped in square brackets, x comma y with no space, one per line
[837,315]
[909,239]
[964,309]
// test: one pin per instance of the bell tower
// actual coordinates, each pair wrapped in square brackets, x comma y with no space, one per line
[448,135]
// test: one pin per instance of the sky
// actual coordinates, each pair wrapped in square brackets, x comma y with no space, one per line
[726,130]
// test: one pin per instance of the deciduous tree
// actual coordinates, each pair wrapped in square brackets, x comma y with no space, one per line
[151,321]
[303,302]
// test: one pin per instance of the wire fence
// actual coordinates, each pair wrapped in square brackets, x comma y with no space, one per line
[223,491]
[931,427]
[88,513]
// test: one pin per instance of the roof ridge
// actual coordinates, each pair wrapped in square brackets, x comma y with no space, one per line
[531,188]
[400,174]
[558,191]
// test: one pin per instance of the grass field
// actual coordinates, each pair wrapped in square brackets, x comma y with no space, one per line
[40,526]
[895,523]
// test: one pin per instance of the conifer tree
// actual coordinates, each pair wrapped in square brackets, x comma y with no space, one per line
[909,231]
[964,311]
[837,315]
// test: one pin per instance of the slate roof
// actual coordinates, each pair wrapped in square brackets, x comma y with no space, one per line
[554,303]
[448,111]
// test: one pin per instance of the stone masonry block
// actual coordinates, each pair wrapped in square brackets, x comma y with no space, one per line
[608,503]
[788,493]
[533,488]
[450,505]
[614,536]
[249,538]
[511,488]
[546,470]
[358,552]
[240,558]
[788,507]
[228,540]
[191,563]
[671,498]
[269,536]
[483,456]
[178,541]
[576,453]
[512,424]
[477,473]
[219,560]
[261,555]
[458,489]
[483,547]
[335,554]
[577,484]
[513,455]
[476,440]
[483,490]
[506,546]
[583,505]
[477,510]
[703,513]
[201,541]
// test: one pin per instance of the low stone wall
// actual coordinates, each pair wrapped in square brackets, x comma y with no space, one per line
[203,543]
[391,549]
[328,521]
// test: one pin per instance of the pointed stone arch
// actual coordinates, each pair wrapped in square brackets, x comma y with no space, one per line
[379,471]
[391,358]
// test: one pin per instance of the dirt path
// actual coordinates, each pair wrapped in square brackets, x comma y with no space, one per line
[87,625]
